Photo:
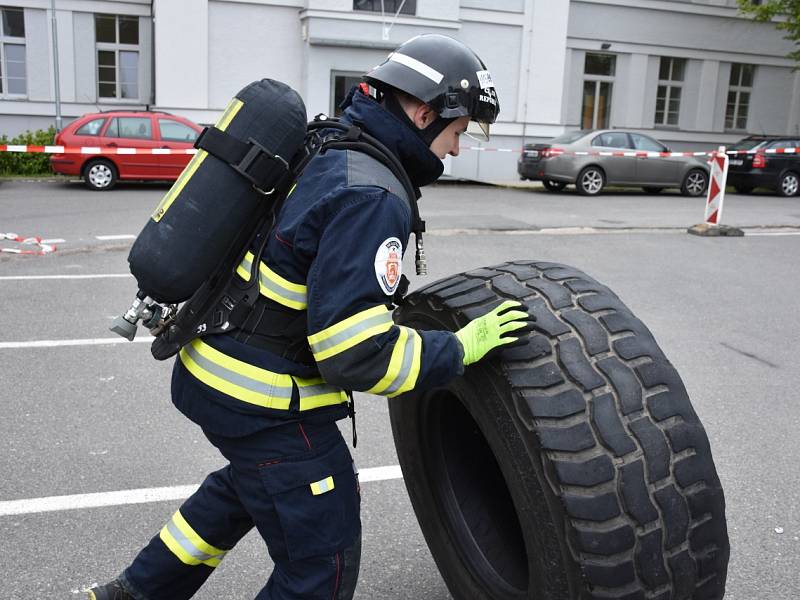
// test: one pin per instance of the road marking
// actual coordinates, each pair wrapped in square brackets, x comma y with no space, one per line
[764,233]
[125,236]
[33,277]
[142,495]
[58,343]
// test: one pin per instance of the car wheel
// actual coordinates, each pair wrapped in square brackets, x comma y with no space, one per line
[695,183]
[743,189]
[553,186]
[571,467]
[100,175]
[789,184]
[591,181]
[653,190]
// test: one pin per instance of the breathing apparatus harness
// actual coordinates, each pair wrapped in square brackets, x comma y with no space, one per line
[224,302]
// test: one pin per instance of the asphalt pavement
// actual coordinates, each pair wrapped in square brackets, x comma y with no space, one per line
[84,416]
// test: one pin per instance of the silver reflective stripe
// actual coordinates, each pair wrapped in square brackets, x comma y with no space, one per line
[405,367]
[419,67]
[187,545]
[272,390]
[323,486]
[352,331]
[318,390]
[274,286]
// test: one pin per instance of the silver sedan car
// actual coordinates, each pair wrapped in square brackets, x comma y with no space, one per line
[584,158]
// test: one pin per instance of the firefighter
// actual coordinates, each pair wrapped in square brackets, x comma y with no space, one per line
[268,395]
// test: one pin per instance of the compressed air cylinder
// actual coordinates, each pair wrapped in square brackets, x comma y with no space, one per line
[203,214]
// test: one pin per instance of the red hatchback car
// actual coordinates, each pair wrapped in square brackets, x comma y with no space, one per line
[125,129]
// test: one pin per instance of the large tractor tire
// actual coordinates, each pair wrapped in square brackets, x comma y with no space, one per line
[572,467]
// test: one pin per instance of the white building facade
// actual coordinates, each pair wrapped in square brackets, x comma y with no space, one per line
[692,73]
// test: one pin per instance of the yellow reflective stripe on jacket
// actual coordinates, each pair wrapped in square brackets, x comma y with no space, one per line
[237,378]
[185,543]
[273,286]
[255,385]
[404,365]
[315,393]
[345,334]
[230,112]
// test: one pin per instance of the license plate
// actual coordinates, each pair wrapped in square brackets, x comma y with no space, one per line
[737,162]
[532,153]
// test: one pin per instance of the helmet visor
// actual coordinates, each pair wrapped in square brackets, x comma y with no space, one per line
[478,131]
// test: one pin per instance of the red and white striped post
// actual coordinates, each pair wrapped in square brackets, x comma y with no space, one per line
[716,194]
[716,186]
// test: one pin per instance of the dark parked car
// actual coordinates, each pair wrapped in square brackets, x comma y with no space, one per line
[584,159]
[765,166]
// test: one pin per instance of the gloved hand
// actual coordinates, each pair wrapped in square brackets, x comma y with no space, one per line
[488,332]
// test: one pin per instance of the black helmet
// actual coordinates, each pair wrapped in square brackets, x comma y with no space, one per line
[443,73]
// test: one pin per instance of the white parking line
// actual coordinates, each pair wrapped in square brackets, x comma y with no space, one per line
[59,343]
[142,495]
[765,233]
[33,277]
[126,236]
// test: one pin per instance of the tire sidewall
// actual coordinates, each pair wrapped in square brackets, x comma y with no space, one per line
[685,185]
[541,515]
[583,191]
[782,180]
[87,178]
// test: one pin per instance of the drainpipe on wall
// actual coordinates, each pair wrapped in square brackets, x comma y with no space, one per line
[55,65]
[152,56]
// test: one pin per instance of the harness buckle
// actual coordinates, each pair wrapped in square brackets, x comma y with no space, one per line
[254,154]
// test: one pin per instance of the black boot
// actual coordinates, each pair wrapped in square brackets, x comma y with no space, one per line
[109,591]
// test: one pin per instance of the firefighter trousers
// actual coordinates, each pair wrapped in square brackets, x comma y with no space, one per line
[296,483]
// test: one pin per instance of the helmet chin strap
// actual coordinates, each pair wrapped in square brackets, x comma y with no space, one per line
[428,134]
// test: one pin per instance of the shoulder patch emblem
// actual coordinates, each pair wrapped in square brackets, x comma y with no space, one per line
[389,265]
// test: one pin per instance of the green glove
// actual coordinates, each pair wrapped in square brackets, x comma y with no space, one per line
[485,333]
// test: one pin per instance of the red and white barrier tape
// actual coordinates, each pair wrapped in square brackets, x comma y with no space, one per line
[94,150]
[549,152]
[43,248]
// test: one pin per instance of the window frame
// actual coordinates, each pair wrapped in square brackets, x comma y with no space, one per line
[670,85]
[9,40]
[117,48]
[388,11]
[334,74]
[738,89]
[598,80]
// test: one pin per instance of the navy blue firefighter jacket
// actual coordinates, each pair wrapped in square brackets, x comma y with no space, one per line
[330,268]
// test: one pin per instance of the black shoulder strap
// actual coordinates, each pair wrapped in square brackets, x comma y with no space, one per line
[250,159]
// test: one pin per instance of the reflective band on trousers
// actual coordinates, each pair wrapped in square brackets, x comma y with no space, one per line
[255,385]
[185,543]
[404,365]
[345,334]
[273,286]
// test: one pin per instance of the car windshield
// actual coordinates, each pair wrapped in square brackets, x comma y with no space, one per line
[748,144]
[568,138]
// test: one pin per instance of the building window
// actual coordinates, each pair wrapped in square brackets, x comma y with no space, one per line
[12,52]
[739,91]
[598,84]
[403,7]
[670,88]
[341,84]
[117,39]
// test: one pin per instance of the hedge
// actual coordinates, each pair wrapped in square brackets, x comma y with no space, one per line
[27,163]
